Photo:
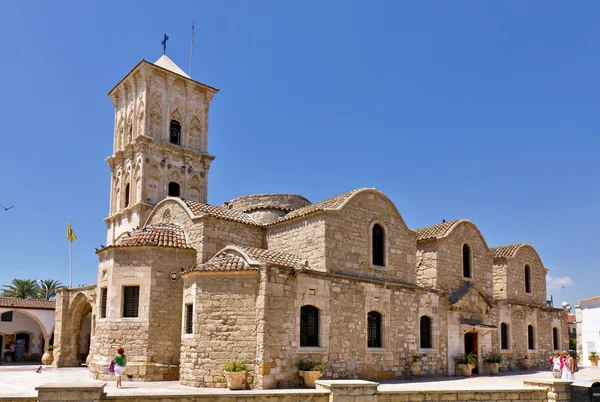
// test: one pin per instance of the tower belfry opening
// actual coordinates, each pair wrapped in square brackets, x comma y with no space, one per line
[157,106]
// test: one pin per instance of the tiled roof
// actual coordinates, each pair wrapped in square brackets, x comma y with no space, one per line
[273,257]
[201,209]
[506,251]
[437,231]
[571,318]
[160,235]
[225,262]
[328,204]
[27,303]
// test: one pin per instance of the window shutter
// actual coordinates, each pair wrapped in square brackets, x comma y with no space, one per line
[131,301]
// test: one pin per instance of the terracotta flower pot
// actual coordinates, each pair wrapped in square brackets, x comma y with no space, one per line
[310,377]
[526,363]
[236,379]
[415,369]
[594,360]
[48,358]
[494,368]
[466,369]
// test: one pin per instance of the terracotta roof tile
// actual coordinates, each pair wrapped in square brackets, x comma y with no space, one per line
[27,303]
[571,318]
[328,204]
[224,262]
[160,235]
[273,257]
[201,209]
[508,251]
[436,231]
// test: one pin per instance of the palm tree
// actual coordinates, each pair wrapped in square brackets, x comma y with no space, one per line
[23,288]
[48,288]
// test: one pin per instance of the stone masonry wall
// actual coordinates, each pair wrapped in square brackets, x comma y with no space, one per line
[225,326]
[348,240]
[500,275]
[515,289]
[426,260]
[305,238]
[151,340]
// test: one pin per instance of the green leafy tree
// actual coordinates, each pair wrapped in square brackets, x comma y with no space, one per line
[572,344]
[48,288]
[23,288]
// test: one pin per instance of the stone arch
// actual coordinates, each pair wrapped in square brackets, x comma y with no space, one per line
[136,194]
[195,189]
[156,121]
[176,115]
[152,185]
[79,310]
[194,139]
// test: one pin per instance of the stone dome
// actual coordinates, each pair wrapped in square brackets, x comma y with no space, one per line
[267,208]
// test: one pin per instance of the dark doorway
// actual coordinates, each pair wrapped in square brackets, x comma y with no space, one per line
[471,346]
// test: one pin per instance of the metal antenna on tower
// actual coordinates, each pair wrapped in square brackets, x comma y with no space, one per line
[192,49]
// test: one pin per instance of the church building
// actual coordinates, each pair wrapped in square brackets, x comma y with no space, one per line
[275,279]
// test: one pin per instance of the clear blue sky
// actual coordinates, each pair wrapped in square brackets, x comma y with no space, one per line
[486,110]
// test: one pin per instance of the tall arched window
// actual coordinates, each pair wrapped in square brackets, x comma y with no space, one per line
[466,261]
[527,279]
[173,189]
[175,132]
[374,330]
[309,326]
[378,244]
[504,340]
[425,331]
[555,340]
[127,195]
[530,337]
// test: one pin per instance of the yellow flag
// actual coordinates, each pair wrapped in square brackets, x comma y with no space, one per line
[70,234]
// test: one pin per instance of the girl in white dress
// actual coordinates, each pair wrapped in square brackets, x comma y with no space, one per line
[567,373]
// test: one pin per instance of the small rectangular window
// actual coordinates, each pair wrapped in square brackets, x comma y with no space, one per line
[103,302]
[189,318]
[6,317]
[131,301]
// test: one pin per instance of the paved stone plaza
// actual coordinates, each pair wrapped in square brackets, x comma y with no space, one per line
[22,380]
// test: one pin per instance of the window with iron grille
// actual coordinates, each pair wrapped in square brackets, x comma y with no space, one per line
[309,326]
[6,317]
[103,302]
[378,243]
[425,332]
[555,342]
[527,279]
[131,301]
[504,336]
[374,329]
[530,340]
[189,318]
[466,261]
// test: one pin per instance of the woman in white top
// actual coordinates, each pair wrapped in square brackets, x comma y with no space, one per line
[567,373]
[557,365]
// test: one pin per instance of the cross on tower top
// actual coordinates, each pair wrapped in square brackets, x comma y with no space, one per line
[164,43]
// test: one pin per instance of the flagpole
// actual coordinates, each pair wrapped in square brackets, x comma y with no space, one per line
[70,259]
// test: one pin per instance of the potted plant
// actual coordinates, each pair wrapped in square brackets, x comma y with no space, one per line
[526,363]
[48,356]
[494,361]
[415,367]
[594,357]
[235,373]
[466,363]
[310,372]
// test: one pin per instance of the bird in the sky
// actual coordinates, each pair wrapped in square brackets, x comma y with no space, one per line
[6,209]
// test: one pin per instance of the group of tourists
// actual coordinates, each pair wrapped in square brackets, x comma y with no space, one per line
[564,366]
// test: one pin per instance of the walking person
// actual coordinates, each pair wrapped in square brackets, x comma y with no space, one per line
[13,351]
[120,361]
[557,365]
[568,367]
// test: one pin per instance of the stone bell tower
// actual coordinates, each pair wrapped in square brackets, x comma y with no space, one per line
[160,142]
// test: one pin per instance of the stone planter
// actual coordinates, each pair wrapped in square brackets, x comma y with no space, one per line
[310,377]
[594,360]
[466,369]
[494,368]
[415,369]
[526,363]
[48,358]
[236,379]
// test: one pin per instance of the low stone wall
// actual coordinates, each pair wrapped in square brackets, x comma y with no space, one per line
[557,390]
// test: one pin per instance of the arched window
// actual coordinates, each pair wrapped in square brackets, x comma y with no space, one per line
[374,329]
[173,189]
[527,279]
[530,337]
[425,332]
[309,326]
[378,244]
[466,261]
[127,195]
[175,132]
[504,340]
[555,339]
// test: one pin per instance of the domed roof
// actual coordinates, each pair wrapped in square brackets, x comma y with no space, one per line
[254,202]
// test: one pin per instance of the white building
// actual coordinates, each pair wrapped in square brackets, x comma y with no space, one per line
[29,323]
[588,328]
